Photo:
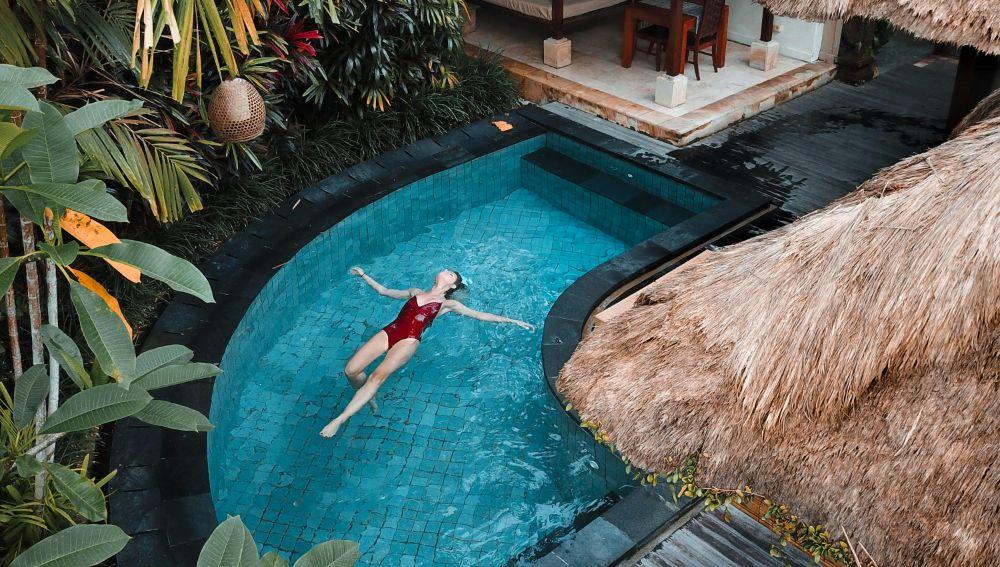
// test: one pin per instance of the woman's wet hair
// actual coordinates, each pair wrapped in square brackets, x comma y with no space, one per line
[459,286]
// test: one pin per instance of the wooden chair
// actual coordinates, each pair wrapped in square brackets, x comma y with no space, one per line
[708,33]
[657,38]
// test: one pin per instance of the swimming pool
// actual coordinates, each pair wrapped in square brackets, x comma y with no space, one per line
[469,460]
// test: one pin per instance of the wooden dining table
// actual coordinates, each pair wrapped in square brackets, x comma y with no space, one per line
[636,12]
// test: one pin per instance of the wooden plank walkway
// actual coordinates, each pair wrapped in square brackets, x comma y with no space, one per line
[709,540]
[820,146]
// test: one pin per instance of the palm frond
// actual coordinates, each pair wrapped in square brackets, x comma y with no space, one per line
[104,34]
[15,44]
[158,163]
[193,22]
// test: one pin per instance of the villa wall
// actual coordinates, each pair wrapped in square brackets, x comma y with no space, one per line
[798,39]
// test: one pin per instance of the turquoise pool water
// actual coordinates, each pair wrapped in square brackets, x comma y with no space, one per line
[469,460]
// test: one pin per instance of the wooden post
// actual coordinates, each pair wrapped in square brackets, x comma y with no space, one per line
[557,18]
[974,80]
[676,40]
[766,25]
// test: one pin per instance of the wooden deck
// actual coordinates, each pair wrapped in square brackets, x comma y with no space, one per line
[818,147]
[708,539]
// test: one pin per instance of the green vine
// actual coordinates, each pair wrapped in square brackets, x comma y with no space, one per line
[813,539]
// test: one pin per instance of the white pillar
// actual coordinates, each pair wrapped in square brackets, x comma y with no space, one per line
[764,55]
[671,90]
[557,53]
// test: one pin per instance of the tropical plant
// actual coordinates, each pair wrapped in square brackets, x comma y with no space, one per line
[231,545]
[381,50]
[40,176]
[186,25]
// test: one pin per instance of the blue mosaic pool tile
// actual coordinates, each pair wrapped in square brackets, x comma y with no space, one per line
[673,190]
[413,483]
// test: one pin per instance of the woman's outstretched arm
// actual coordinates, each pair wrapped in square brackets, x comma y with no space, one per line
[381,289]
[452,305]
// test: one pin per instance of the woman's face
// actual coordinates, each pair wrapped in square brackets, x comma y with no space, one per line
[446,278]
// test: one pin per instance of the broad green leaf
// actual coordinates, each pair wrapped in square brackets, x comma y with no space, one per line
[334,553]
[88,197]
[96,406]
[64,254]
[160,357]
[67,354]
[105,334]
[96,113]
[82,493]
[51,154]
[272,559]
[176,374]
[27,77]
[13,137]
[156,263]
[174,416]
[27,466]
[84,544]
[28,204]
[8,269]
[16,97]
[30,390]
[230,545]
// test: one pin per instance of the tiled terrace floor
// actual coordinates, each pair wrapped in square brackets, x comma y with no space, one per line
[597,83]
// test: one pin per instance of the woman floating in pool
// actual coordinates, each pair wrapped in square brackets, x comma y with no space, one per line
[399,339]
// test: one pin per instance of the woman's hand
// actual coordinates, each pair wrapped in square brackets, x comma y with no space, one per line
[523,325]
[356,271]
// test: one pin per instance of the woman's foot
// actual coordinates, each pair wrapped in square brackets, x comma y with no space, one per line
[331,429]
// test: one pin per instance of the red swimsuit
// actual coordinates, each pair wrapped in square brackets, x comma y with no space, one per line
[411,321]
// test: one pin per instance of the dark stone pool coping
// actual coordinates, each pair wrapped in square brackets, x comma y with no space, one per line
[161,494]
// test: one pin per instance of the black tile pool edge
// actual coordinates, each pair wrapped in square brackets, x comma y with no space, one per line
[161,495]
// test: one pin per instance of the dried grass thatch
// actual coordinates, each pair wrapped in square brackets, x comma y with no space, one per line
[961,22]
[847,365]
[987,108]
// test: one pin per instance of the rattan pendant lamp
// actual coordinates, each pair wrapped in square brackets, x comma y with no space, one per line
[236,111]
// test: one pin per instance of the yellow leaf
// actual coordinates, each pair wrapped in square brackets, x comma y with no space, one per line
[502,125]
[94,234]
[92,284]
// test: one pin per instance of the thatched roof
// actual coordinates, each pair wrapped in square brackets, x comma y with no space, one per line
[987,108]
[961,22]
[847,365]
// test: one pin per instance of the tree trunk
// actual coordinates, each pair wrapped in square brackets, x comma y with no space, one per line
[11,303]
[28,239]
[35,321]
[52,307]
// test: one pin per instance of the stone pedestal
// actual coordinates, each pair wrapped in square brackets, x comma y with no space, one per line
[557,52]
[469,25]
[856,60]
[671,90]
[764,55]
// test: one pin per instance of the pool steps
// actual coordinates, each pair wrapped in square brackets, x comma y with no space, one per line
[609,186]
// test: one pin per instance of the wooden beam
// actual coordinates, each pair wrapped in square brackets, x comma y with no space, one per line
[557,18]
[974,80]
[766,25]
[676,40]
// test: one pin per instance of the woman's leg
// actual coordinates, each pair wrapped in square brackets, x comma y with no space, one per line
[355,367]
[397,356]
